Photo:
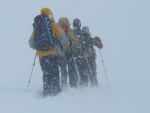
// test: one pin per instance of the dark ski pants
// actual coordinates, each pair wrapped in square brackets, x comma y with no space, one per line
[50,69]
[83,72]
[93,75]
[72,72]
[63,70]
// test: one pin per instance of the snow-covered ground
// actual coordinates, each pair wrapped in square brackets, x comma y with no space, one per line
[124,29]
[76,101]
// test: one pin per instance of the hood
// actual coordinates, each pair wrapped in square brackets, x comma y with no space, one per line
[48,12]
[64,23]
[63,20]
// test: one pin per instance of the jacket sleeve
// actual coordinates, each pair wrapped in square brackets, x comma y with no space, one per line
[64,40]
[97,42]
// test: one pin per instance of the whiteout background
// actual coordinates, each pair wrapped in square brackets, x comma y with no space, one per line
[123,27]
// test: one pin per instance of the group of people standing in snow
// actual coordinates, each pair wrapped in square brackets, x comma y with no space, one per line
[66,55]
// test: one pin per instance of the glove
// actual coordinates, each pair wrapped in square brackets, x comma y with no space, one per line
[32,43]
[98,43]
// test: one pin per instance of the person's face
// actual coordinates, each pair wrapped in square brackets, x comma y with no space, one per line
[65,27]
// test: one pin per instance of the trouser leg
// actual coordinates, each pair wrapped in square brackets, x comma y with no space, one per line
[81,64]
[93,77]
[50,69]
[72,72]
[63,75]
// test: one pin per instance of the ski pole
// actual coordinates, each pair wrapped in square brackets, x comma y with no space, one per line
[31,71]
[104,67]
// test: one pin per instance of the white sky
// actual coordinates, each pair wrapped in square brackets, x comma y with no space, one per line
[123,26]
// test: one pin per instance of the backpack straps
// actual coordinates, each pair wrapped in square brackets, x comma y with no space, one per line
[48,28]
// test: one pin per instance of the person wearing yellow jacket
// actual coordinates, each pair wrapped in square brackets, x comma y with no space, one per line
[49,58]
[69,55]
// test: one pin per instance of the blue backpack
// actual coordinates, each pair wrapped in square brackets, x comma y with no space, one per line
[42,33]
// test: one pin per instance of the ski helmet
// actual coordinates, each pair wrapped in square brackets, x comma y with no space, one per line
[76,23]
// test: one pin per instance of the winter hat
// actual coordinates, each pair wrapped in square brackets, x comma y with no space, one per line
[85,29]
[47,12]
